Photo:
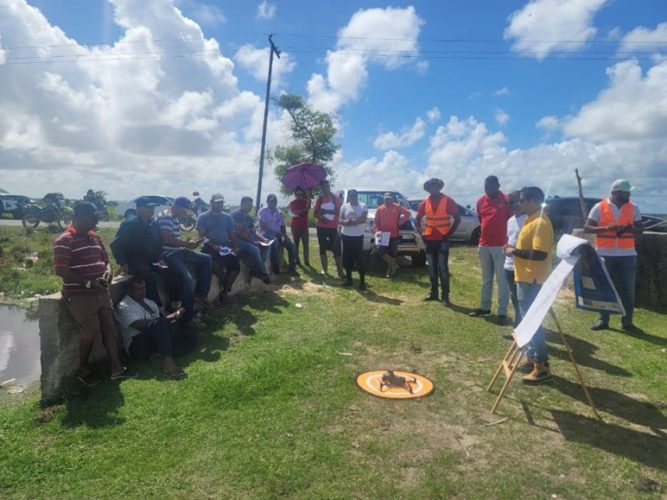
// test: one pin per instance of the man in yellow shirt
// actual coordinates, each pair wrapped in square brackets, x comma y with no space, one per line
[532,265]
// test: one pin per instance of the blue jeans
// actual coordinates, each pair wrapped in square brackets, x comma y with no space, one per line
[492,259]
[437,254]
[276,247]
[537,348]
[179,260]
[623,272]
[257,255]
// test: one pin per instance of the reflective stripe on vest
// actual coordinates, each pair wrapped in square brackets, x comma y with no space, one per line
[609,239]
[439,219]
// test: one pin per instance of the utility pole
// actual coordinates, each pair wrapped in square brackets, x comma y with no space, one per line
[273,50]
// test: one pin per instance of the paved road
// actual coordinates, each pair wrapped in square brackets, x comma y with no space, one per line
[10,222]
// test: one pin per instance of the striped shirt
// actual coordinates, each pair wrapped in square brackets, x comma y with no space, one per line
[82,253]
[168,222]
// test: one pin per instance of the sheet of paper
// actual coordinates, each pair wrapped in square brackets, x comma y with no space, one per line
[382,238]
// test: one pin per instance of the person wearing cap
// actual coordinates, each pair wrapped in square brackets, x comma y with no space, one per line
[441,214]
[180,256]
[137,246]
[353,216]
[250,241]
[389,217]
[272,227]
[81,260]
[327,210]
[216,229]
[615,221]
[493,210]
[299,208]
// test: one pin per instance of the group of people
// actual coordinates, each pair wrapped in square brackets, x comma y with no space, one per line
[515,248]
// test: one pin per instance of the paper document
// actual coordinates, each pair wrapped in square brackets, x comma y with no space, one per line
[382,238]
[268,243]
[225,251]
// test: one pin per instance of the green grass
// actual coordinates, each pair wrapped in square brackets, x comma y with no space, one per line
[270,408]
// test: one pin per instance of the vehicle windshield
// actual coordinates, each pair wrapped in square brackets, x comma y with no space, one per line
[373,199]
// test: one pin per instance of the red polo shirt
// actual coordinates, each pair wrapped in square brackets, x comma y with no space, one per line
[387,217]
[493,214]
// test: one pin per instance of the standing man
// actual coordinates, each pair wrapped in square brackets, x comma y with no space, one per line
[82,262]
[272,226]
[493,211]
[180,255]
[248,240]
[216,229]
[532,265]
[439,211]
[389,217]
[327,209]
[615,221]
[514,225]
[299,208]
[353,216]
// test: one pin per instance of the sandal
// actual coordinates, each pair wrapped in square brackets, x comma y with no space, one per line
[89,380]
[124,375]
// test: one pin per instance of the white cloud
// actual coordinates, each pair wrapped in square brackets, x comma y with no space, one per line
[643,39]
[409,135]
[266,10]
[203,13]
[433,114]
[501,117]
[545,26]
[255,60]
[392,171]
[548,123]
[372,36]
[502,91]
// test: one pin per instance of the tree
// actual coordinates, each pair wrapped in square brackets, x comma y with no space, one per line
[313,133]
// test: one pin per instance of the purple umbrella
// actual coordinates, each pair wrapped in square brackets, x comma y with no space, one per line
[303,175]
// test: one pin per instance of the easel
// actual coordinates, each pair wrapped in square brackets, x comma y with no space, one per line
[510,363]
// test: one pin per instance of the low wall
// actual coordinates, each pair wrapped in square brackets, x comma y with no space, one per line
[59,335]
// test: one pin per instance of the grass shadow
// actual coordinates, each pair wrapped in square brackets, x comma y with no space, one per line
[583,353]
[94,407]
[371,296]
[634,445]
[640,334]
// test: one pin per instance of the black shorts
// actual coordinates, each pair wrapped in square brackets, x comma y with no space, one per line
[328,239]
[230,261]
[391,249]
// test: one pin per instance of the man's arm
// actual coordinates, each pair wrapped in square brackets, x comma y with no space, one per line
[455,224]
[420,216]
[591,226]
[119,244]
[404,216]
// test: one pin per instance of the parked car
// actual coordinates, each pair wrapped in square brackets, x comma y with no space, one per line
[129,208]
[469,229]
[13,204]
[411,243]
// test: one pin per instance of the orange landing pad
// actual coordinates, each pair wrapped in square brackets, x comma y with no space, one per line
[372,382]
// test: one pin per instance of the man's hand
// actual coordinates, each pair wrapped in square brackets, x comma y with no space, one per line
[192,244]
[508,250]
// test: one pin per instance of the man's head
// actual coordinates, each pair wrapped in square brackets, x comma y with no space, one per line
[272,201]
[136,288]
[145,208]
[352,196]
[620,191]
[491,186]
[388,199]
[513,202]
[530,200]
[325,186]
[84,218]
[434,186]
[246,204]
[180,206]
[217,202]
[299,193]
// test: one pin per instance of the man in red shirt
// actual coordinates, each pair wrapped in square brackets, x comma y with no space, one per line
[389,217]
[493,209]
[83,264]
[442,218]
[327,210]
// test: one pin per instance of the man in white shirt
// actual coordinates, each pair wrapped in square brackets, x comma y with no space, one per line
[353,217]
[145,332]
[514,224]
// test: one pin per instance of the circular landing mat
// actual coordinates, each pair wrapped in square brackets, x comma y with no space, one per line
[395,388]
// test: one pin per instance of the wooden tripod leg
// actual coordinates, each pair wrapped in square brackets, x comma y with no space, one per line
[507,356]
[514,363]
[576,366]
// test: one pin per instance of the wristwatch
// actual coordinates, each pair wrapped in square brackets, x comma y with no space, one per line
[87,284]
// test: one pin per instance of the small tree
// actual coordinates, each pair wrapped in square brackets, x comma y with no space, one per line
[313,133]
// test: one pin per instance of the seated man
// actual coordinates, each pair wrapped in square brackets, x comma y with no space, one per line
[272,227]
[179,254]
[145,332]
[248,240]
[216,228]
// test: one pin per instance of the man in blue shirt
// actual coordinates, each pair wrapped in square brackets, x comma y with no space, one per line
[272,226]
[249,241]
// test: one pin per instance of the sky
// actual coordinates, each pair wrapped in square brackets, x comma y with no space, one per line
[167,96]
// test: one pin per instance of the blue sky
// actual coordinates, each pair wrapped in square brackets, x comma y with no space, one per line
[167,96]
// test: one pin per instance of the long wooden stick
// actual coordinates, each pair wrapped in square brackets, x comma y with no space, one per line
[582,205]
[514,363]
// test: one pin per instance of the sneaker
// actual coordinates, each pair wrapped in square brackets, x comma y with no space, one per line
[528,366]
[445,301]
[600,325]
[431,296]
[539,375]
[479,313]
[629,327]
[124,375]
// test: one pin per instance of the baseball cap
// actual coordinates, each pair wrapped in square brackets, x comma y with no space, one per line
[83,209]
[621,185]
[182,202]
[388,195]
[145,201]
[217,198]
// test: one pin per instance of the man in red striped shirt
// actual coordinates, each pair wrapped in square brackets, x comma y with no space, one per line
[82,262]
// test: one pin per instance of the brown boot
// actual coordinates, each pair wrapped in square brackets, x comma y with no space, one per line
[539,375]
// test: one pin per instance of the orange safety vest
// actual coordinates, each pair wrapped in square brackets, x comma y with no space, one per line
[609,239]
[438,219]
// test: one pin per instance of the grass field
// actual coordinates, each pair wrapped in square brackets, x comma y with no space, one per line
[270,407]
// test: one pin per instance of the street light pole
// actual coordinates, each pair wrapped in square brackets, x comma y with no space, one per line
[273,50]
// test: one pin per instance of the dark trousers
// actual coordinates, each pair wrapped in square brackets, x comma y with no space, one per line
[623,273]
[179,260]
[353,255]
[513,296]
[158,337]
[437,254]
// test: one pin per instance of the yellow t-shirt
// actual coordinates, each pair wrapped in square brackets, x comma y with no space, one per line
[536,234]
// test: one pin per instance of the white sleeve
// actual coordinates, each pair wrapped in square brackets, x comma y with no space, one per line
[595,213]
[125,314]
